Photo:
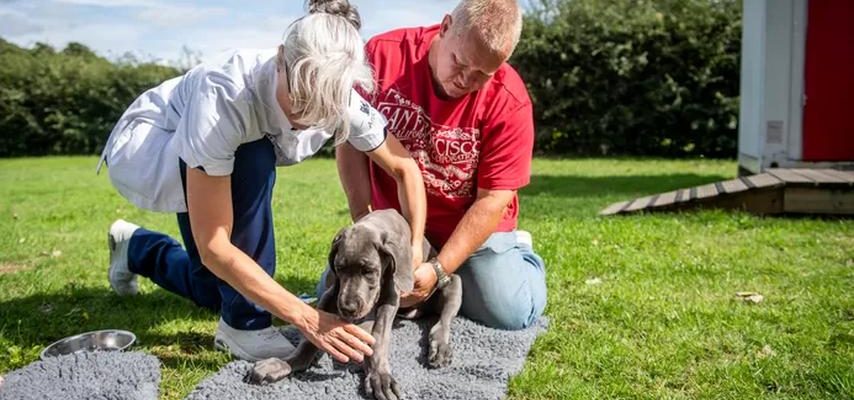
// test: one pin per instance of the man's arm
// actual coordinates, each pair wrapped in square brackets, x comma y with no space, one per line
[504,167]
[479,221]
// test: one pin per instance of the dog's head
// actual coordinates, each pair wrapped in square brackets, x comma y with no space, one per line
[365,260]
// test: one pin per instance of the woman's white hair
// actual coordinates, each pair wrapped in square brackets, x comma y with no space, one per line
[324,59]
[497,22]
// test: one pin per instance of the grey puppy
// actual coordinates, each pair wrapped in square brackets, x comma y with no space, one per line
[370,266]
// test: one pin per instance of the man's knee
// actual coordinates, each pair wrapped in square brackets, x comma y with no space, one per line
[503,290]
[509,319]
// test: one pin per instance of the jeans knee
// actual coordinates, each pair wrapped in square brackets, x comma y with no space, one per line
[504,290]
[210,302]
[508,320]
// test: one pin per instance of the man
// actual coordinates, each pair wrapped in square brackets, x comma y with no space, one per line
[465,116]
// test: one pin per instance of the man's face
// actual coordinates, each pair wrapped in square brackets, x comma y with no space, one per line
[461,63]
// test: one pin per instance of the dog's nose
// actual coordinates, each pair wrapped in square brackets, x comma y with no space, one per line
[350,306]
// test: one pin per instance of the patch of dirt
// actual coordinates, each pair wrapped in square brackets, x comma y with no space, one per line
[10,268]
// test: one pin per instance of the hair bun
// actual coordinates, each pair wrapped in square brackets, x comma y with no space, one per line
[341,8]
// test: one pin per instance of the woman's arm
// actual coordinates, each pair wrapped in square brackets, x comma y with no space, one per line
[394,159]
[355,179]
[210,210]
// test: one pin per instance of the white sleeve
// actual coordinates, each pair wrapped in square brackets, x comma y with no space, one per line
[367,125]
[213,125]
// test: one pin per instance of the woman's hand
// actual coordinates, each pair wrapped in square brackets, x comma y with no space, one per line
[417,255]
[343,341]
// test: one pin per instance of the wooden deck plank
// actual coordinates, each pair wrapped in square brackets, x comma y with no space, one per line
[821,175]
[790,176]
[847,176]
[665,199]
[639,204]
[615,208]
[734,186]
[764,181]
[683,195]
[817,176]
[706,191]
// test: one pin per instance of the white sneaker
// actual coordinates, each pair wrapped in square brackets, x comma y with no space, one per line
[252,345]
[524,237]
[122,280]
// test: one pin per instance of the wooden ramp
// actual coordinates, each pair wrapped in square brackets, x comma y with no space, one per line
[800,191]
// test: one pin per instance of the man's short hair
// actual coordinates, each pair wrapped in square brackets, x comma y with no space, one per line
[498,23]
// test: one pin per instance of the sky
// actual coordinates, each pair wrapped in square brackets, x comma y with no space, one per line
[159,30]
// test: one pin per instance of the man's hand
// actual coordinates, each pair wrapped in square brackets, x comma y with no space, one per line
[425,282]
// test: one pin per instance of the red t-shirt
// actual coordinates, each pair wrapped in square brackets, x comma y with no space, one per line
[482,140]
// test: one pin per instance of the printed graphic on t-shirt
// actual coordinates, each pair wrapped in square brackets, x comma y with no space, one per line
[446,155]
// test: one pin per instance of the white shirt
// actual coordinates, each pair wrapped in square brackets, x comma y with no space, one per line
[203,116]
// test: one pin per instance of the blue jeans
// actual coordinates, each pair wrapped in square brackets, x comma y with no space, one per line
[504,283]
[163,260]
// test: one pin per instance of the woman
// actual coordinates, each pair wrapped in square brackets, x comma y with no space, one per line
[205,145]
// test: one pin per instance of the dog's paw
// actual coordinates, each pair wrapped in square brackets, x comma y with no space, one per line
[440,354]
[268,371]
[382,386]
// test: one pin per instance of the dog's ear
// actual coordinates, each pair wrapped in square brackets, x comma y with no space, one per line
[397,258]
[333,250]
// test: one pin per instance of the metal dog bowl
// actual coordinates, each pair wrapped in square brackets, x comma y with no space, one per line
[105,340]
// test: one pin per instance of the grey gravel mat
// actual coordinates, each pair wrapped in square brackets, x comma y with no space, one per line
[484,359]
[101,376]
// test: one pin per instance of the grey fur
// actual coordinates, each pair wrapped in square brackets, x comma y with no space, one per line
[370,266]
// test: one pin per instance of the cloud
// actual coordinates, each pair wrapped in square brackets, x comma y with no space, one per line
[160,29]
[169,16]
[108,39]
[378,17]
[110,3]
[16,24]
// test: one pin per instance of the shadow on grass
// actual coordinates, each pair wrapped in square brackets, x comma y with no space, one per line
[567,186]
[42,318]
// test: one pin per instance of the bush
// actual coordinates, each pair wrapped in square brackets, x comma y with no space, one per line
[633,77]
[65,102]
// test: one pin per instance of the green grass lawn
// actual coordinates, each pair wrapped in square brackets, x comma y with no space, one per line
[663,322]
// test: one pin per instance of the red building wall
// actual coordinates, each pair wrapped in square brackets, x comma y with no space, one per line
[828,131]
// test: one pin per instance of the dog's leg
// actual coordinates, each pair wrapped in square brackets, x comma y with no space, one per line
[449,300]
[378,380]
[275,369]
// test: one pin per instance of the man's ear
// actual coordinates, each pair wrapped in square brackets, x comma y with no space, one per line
[397,260]
[445,27]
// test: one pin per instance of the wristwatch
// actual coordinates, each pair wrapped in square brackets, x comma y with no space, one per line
[443,278]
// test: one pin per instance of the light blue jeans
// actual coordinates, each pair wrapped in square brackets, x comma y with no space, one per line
[504,283]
